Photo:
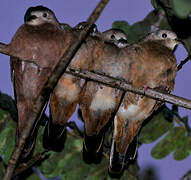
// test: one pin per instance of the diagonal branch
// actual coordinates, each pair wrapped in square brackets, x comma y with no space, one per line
[41,100]
[183,62]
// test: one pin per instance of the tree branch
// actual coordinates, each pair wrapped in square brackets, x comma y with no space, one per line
[183,62]
[116,83]
[24,166]
[187,176]
[3,49]
[52,81]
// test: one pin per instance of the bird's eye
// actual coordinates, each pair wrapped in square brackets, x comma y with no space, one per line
[44,14]
[164,35]
[112,37]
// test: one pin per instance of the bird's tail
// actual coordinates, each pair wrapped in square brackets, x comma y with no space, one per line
[31,140]
[54,136]
[124,145]
[119,161]
[93,147]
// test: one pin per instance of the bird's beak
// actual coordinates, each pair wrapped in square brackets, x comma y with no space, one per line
[30,18]
[123,41]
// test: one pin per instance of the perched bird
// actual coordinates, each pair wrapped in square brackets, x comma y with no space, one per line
[66,94]
[39,44]
[99,102]
[93,31]
[150,63]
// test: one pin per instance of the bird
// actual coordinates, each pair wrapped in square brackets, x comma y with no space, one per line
[151,63]
[98,102]
[65,96]
[114,36]
[38,45]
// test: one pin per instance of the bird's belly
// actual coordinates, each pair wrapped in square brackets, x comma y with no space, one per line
[133,112]
[66,89]
[103,99]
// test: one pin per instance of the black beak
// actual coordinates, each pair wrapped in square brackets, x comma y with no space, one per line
[123,41]
[94,29]
[30,18]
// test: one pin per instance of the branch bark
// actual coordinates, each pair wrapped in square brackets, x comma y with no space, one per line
[51,83]
[3,49]
[116,83]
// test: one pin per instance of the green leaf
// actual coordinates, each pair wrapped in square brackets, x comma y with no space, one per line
[155,4]
[169,143]
[183,151]
[8,104]
[182,8]
[7,135]
[34,176]
[2,169]
[123,25]
[155,128]
[57,162]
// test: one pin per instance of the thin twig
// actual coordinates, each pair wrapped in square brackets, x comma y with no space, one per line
[183,62]
[187,176]
[52,81]
[3,49]
[161,15]
[24,166]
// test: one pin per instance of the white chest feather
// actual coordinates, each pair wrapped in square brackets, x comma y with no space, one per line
[132,113]
[102,101]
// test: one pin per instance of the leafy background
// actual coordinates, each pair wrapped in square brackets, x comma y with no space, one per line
[166,127]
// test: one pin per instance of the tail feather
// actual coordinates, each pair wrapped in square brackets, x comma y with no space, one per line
[31,140]
[54,137]
[93,147]
[116,163]
[132,150]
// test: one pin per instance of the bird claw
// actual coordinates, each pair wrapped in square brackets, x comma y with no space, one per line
[167,88]
[145,87]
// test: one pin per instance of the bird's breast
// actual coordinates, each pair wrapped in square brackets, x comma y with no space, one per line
[104,99]
[132,112]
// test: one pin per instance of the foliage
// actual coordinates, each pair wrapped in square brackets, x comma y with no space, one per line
[182,8]
[69,164]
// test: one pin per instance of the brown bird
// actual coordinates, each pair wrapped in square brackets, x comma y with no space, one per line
[150,63]
[99,102]
[41,42]
[65,96]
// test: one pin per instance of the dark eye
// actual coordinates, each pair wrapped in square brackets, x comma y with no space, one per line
[44,14]
[164,35]
[112,37]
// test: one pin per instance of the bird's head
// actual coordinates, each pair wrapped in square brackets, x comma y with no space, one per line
[38,15]
[166,37]
[93,31]
[115,36]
